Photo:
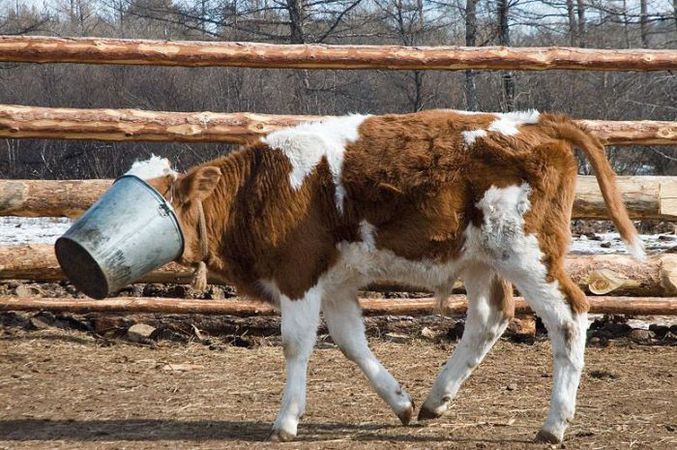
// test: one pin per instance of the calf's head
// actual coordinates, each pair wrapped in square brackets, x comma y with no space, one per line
[187,193]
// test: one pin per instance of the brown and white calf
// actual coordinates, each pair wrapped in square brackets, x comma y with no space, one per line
[309,214]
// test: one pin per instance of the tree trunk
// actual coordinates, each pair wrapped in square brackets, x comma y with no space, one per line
[626,24]
[203,17]
[296,18]
[417,101]
[582,42]
[504,40]
[419,75]
[297,36]
[644,24]
[573,24]
[471,41]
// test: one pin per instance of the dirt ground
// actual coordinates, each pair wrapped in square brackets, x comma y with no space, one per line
[63,389]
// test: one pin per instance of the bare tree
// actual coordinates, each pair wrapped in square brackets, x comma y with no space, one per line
[504,39]
[471,41]
[573,23]
[596,23]
[643,24]
[581,22]
[296,17]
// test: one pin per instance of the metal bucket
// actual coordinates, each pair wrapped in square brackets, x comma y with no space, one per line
[128,232]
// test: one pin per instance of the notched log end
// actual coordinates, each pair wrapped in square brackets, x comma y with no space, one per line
[603,281]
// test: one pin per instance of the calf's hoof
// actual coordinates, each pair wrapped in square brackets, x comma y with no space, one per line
[547,437]
[406,415]
[427,414]
[281,436]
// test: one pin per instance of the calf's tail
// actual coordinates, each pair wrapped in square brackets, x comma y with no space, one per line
[606,178]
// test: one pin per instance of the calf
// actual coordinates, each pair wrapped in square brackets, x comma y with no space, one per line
[308,215]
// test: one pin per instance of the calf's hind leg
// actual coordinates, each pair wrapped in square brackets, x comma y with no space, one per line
[519,257]
[562,307]
[490,308]
[344,320]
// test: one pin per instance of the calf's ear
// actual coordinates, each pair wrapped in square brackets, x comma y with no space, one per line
[198,184]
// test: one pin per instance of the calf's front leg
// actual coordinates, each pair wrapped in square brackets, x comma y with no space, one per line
[343,315]
[300,320]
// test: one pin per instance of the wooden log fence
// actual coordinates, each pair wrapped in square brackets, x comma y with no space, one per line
[401,307]
[40,49]
[596,274]
[49,198]
[18,121]
[646,197]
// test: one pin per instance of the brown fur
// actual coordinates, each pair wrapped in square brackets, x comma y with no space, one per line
[501,297]
[411,177]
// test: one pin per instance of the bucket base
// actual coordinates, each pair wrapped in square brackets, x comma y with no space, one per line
[80,268]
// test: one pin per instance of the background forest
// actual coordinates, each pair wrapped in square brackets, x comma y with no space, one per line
[578,23]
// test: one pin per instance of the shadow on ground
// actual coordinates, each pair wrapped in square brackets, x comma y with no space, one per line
[197,431]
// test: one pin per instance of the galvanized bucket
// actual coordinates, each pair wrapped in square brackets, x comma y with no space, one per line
[128,232]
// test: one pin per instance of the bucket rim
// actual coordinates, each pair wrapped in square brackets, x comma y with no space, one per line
[169,209]
[98,289]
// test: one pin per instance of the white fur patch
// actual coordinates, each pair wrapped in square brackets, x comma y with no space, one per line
[300,319]
[508,123]
[153,167]
[505,123]
[503,227]
[368,235]
[361,263]
[501,236]
[344,321]
[506,201]
[471,136]
[636,248]
[305,145]
[271,289]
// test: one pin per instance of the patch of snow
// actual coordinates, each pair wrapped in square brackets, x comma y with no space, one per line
[586,246]
[45,230]
[32,230]
[644,323]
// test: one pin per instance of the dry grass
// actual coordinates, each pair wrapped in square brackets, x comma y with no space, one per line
[62,390]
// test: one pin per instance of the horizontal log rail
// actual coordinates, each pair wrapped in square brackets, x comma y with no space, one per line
[596,274]
[40,49]
[18,121]
[37,262]
[647,197]
[411,307]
